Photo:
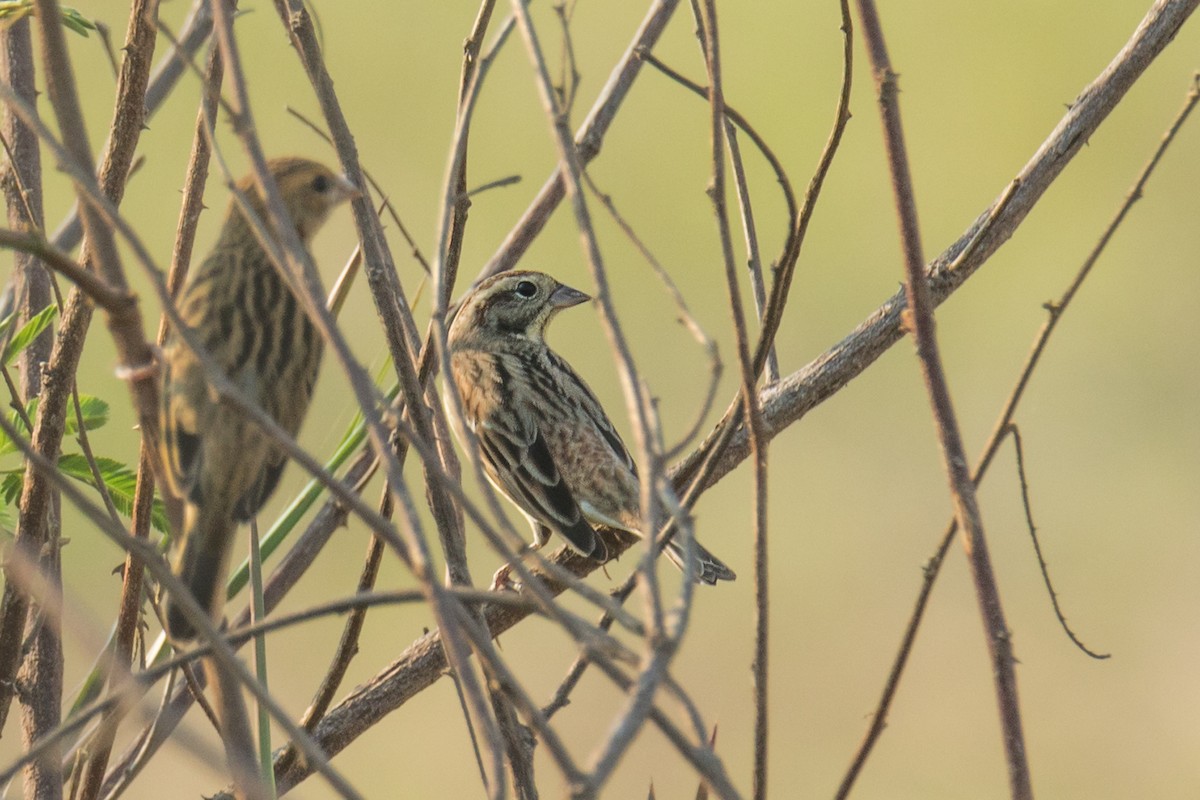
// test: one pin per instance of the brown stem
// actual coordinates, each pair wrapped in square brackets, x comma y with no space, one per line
[403,343]
[141,35]
[921,324]
[748,374]
[22,185]
[588,140]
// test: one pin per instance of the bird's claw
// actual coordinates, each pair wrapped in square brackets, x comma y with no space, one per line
[502,580]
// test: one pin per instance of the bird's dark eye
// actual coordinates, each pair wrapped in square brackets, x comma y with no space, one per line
[527,289]
[320,184]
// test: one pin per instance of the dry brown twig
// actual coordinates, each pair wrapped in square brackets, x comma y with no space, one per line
[918,319]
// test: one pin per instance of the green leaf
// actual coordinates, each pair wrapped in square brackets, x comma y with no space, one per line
[95,414]
[120,481]
[7,323]
[29,331]
[76,21]
[11,486]
[7,445]
[13,10]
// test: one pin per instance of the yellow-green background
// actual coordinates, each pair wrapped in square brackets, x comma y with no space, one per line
[858,497]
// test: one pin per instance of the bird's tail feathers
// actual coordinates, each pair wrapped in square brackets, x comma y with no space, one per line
[201,567]
[709,568]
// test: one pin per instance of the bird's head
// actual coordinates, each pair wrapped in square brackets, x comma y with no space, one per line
[310,191]
[512,304]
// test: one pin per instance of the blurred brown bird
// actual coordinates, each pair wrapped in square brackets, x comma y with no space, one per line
[244,314]
[544,438]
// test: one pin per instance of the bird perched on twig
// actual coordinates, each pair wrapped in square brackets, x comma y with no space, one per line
[544,438]
[244,314]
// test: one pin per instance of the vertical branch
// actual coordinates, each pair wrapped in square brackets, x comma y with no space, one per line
[919,319]
[468,87]
[235,732]
[122,142]
[134,352]
[754,258]
[22,185]
[753,412]
[570,166]
[1004,423]
[662,644]
[698,471]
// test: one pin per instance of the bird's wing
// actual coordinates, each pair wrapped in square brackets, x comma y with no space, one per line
[180,426]
[587,403]
[521,464]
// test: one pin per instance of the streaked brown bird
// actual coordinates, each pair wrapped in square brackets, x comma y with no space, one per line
[544,438]
[246,317]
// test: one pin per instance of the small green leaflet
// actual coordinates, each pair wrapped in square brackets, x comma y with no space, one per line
[95,415]
[118,478]
[13,10]
[29,331]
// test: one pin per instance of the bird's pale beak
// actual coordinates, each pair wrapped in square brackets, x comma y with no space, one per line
[565,297]
[346,189]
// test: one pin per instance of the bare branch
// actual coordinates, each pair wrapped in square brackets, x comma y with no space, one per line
[920,322]
[707,18]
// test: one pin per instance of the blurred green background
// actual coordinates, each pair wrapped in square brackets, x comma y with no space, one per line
[858,498]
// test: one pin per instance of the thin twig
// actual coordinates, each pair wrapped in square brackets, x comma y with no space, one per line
[235,732]
[686,318]
[749,395]
[698,470]
[165,76]
[92,285]
[133,79]
[1000,429]
[920,321]
[36,533]
[588,139]
[403,344]
[661,643]
[750,232]
[1015,433]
